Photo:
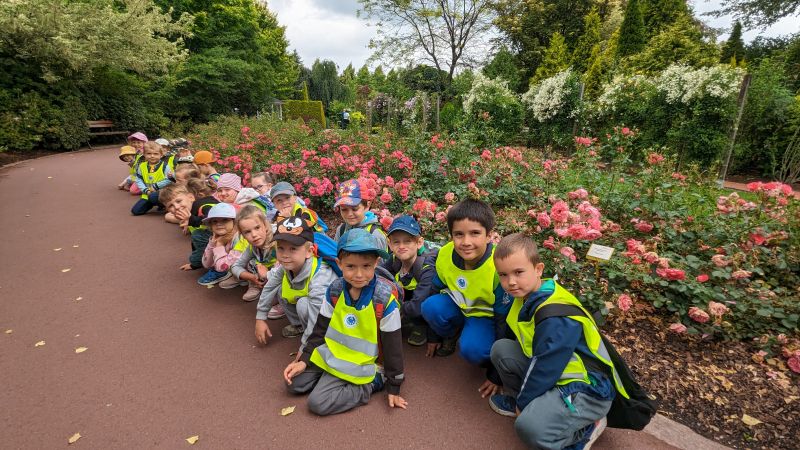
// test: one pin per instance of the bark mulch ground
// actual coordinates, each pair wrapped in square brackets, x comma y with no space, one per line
[715,388]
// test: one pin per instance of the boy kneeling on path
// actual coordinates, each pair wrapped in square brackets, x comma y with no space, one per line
[358,323]
[553,372]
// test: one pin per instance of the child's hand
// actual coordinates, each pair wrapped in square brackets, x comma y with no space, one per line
[262,272]
[263,332]
[395,401]
[432,347]
[251,278]
[488,389]
[292,370]
[182,215]
[186,267]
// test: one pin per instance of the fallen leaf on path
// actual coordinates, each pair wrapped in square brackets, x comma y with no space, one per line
[75,246]
[293,354]
[57,249]
[27,215]
[210,286]
[79,299]
[125,320]
[750,421]
[288,410]
[81,349]
[39,344]
[192,439]
[9,331]
[74,438]
[49,178]
[65,270]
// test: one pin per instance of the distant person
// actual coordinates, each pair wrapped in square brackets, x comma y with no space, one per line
[345,118]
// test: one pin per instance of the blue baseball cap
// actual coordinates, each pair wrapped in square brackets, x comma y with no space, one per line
[359,240]
[405,223]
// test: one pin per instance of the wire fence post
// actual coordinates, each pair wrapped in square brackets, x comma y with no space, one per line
[741,101]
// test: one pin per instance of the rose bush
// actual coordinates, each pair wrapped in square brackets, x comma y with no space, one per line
[720,264]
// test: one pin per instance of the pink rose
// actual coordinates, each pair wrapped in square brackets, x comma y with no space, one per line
[624,302]
[719,260]
[543,219]
[449,197]
[677,328]
[560,212]
[741,274]
[626,131]
[569,252]
[644,227]
[698,315]
[386,197]
[717,309]
[794,364]
[549,243]
[702,278]
[671,274]
[441,216]
[386,222]
[655,158]
[578,194]
[651,257]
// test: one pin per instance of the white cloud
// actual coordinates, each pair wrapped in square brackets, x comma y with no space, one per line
[784,27]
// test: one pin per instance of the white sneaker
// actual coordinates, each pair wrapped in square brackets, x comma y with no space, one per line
[252,293]
[599,427]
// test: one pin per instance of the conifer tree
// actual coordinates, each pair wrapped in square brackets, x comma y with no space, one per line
[734,46]
[581,56]
[632,35]
[555,58]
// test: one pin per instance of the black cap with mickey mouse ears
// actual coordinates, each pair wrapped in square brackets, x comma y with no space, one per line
[294,230]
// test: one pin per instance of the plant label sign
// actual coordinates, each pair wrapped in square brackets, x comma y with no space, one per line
[599,253]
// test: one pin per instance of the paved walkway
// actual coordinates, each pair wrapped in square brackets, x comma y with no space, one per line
[167,359]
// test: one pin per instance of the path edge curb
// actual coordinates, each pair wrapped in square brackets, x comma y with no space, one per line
[679,435]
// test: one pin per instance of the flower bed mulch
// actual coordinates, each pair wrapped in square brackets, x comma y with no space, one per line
[715,388]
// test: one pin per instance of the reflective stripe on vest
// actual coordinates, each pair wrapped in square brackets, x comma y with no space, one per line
[290,294]
[240,244]
[472,290]
[351,343]
[267,260]
[158,174]
[575,369]
[411,284]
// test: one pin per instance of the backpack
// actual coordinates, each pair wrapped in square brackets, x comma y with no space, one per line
[632,413]
[326,251]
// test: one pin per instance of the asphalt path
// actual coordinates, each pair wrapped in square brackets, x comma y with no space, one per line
[165,358]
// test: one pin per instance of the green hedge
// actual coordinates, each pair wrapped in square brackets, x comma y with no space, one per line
[299,109]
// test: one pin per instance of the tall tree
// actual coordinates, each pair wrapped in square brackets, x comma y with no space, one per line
[325,84]
[682,42]
[632,35]
[582,54]
[733,49]
[555,59]
[447,33]
[758,13]
[660,14]
[504,66]
[363,77]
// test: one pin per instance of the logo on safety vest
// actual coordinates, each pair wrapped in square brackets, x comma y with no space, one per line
[350,320]
[461,282]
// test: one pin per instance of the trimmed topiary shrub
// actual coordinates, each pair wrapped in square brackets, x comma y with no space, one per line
[298,109]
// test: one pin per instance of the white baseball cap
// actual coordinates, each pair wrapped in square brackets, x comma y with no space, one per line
[162,141]
[221,211]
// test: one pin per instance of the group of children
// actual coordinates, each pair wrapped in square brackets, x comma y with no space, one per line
[351,299]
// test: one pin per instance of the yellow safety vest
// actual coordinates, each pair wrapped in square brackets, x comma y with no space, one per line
[575,371]
[203,226]
[159,173]
[137,159]
[291,295]
[351,346]
[472,290]
[268,260]
[240,244]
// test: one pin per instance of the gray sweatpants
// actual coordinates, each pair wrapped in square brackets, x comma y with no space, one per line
[546,422]
[329,394]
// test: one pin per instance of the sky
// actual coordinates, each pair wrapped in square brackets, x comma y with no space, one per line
[330,29]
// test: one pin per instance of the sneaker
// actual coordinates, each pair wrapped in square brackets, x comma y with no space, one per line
[417,337]
[378,382]
[448,347]
[291,331]
[232,282]
[599,427]
[276,312]
[252,293]
[505,405]
[213,277]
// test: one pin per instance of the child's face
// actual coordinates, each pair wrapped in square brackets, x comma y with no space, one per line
[183,151]
[137,144]
[292,257]
[205,169]
[181,202]
[284,202]
[152,155]
[518,275]
[226,195]
[358,269]
[353,215]
[405,246]
[181,176]
[261,185]
[221,227]
[470,239]
[255,231]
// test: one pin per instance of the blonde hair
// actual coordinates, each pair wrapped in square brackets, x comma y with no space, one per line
[253,212]
[151,145]
[190,170]
[170,192]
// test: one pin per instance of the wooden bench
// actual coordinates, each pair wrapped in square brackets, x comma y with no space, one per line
[102,128]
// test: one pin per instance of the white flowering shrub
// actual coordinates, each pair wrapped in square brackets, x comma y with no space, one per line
[492,107]
[683,84]
[553,105]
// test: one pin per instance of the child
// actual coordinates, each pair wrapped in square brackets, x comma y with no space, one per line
[220,254]
[299,282]
[471,298]
[254,227]
[262,183]
[228,186]
[190,204]
[358,322]
[554,373]
[183,172]
[129,156]
[204,159]
[353,203]
[288,204]
[407,264]
[152,174]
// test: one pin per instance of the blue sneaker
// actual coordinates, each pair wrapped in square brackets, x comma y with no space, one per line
[505,405]
[377,383]
[213,277]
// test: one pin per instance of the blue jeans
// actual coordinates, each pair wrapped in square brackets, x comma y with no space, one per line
[446,318]
[144,205]
[199,242]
